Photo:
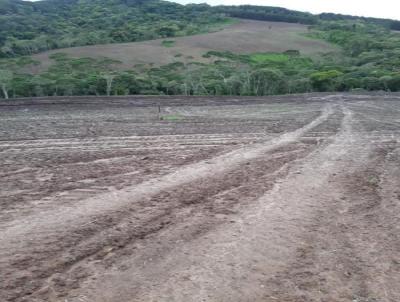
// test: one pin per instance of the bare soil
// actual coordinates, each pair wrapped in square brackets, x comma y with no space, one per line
[245,37]
[289,199]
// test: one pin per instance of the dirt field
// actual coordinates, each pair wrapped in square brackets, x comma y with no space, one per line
[244,37]
[289,199]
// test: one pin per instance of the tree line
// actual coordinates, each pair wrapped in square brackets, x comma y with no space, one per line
[369,61]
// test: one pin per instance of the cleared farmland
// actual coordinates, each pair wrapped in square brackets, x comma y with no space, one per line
[244,37]
[292,198]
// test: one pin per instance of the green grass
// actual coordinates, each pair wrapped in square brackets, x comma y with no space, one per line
[262,58]
[168,43]
[171,117]
[222,24]
[227,22]
[373,181]
[254,58]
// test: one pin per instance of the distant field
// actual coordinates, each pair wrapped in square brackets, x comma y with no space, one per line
[244,37]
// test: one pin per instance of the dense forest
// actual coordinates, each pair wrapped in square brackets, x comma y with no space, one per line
[369,57]
[267,13]
[31,27]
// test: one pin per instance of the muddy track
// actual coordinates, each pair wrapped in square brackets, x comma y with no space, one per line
[309,213]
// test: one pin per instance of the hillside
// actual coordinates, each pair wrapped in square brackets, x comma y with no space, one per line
[245,36]
[189,50]
[31,27]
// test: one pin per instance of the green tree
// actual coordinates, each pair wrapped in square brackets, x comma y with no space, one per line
[6,78]
[325,80]
[109,79]
[266,82]
[385,80]
[43,86]
[394,83]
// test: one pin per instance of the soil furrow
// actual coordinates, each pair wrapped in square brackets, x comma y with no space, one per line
[290,199]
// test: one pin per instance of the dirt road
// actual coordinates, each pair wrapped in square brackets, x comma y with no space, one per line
[293,198]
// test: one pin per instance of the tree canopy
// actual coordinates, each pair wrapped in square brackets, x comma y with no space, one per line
[31,27]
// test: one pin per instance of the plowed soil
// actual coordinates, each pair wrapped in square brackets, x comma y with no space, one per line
[289,199]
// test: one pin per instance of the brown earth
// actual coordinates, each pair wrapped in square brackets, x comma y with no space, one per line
[245,37]
[292,198]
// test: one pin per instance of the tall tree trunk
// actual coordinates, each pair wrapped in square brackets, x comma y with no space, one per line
[109,80]
[109,85]
[5,92]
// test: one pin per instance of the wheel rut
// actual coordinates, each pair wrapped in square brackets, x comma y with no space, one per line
[297,202]
[61,241]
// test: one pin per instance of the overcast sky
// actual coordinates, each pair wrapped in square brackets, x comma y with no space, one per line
[369,8]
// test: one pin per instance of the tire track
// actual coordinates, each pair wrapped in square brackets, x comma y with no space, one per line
[228,263]
[63,217]
[62,220]
[309,215]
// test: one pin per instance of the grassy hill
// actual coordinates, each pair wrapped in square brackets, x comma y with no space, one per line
[243,37]
[31,27]
[120,47]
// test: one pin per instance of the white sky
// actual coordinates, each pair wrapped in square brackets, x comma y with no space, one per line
[369,8]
